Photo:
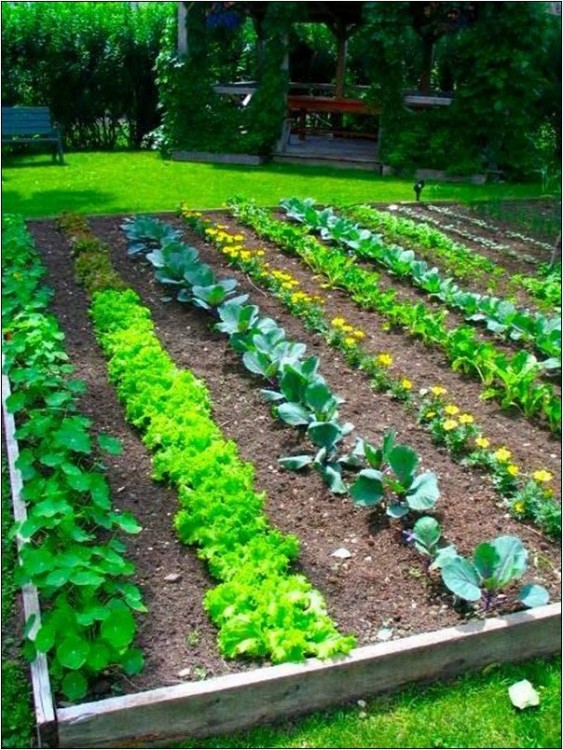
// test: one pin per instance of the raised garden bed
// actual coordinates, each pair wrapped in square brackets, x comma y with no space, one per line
[380,592]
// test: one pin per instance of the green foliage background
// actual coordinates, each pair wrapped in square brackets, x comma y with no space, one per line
[91,63]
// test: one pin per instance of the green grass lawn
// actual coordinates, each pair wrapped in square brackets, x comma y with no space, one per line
[473,711]
[105,183]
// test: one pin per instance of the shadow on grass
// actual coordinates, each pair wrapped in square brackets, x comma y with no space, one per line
[52,202]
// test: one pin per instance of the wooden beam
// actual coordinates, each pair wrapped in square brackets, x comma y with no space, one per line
[225,704]
[42,696]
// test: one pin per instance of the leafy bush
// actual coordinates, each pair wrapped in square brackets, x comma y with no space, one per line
[91,63]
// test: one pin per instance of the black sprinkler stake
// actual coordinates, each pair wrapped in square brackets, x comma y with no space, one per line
[418,188]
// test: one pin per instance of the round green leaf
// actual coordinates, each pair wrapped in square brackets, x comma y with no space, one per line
[132,661]
[110,444]
[461,578]
[74,686]
[73,652]
[127,523]
[86,578]
[58,577]
[99,656]
[44,638]
[118,628]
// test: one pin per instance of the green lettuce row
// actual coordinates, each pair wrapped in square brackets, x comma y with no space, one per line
[261,609]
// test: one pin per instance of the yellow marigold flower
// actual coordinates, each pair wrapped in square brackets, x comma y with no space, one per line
[337,322]
[349,341]
[482,442]
[449,424]
[407,385]
[222,226]
[386,360]
[519,507]
[430,415]
[238,237]
[359,335]
[347,328]
[502,454]
[451,409]
[466,419]
[437,390]
[211,231]
[541,475]
[245,254]
[513,470]
[260,253]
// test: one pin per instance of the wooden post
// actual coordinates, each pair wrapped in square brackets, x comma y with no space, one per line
[427,58]
[283,139]
[342,50]
[182,44]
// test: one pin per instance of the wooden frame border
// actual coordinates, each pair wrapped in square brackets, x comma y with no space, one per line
[42,696]
[225,704]
[237,701]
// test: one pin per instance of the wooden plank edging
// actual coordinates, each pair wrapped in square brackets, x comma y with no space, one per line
[42,695]
[253,160]
[236,701]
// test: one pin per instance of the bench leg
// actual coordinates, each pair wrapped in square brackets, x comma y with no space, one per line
[60,152]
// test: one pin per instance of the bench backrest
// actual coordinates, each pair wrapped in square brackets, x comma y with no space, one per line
[26,121]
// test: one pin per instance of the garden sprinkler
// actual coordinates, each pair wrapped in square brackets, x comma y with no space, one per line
[418,188]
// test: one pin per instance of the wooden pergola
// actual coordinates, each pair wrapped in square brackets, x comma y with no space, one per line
[309,102]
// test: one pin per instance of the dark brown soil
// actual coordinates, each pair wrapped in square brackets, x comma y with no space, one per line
[383,584]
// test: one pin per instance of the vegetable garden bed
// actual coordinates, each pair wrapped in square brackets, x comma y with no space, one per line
[378,590]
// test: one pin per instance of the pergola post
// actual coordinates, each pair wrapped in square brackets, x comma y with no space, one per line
[182,39]
[342,50]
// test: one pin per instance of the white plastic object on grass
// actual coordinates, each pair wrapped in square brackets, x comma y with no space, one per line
[523,695]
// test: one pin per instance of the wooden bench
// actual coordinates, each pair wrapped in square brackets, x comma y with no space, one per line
[31,125]
[299,106]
